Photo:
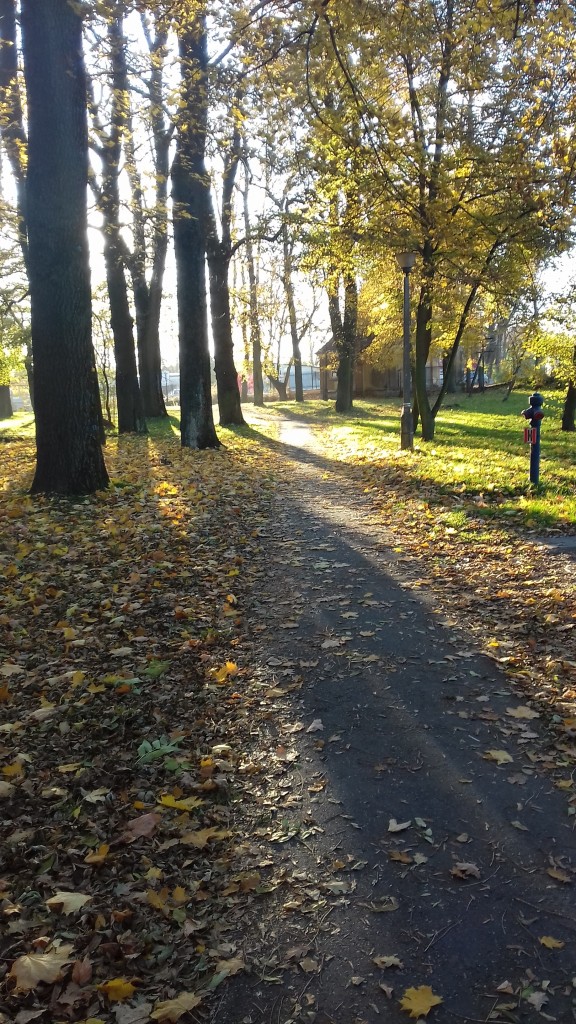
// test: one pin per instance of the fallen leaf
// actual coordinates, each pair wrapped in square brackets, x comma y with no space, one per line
[499,756]
[6,789]
[537,999]
[29,970]
[522,711]
[82,972]
[559,876]
[419,1001]
[67,902]
[98,856]
[316,726]
[551,943]
[188,804]
[395,826]
[230,967]
[387,961]
[170,1011]
[309,966]
[144,826]
[202,836]
[117,989]
[463,870]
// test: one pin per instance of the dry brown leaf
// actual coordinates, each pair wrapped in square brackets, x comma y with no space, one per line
[387,961]
[522,711]
[464,870]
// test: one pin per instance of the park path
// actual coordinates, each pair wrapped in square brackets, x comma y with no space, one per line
[416,805]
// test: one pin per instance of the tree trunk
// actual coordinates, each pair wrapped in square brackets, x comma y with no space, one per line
[11,119]
[289,292]
[190,195]
[29,367]
[128,398]
[148,296]
[569,410]
[69,456]
[423,341]
[344,333]
[6,410]
[129,402]
[229,405]
[254,317]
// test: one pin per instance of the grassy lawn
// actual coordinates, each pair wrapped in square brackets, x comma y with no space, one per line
[478,454]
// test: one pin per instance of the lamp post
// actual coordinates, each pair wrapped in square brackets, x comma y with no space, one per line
[406,261]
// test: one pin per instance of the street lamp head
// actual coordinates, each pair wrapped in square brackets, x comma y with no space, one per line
[406,261]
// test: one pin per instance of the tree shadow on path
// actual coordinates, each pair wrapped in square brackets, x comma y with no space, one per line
[424,817]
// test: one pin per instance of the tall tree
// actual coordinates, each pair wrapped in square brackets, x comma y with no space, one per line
[220,251]
[67,404]
[190,187]
[108,144]
[11,120]
[253,317]
[150,225]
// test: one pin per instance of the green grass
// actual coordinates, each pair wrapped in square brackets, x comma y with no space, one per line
[20,425]
[478,453]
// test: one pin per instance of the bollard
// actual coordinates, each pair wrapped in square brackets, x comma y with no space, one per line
[532,433]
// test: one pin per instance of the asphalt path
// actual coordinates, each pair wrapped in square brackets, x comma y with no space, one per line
[421,811]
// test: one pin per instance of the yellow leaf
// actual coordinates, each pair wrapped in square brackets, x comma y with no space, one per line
[179,895]
[98,856]
[64,769]
[28,971]
[560,876]
[69,634]
[500,756]
[180,805]
[67,902]
[155,899]
[117,989]
[419,1001]
[170,1011]
[13,770]
[201,837]
[551,943]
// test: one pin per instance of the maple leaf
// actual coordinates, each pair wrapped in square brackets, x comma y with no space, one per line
[419,1001]
[170,1010]
[28,971]
[188,804]
[202,837]
[67,902]
[117,989]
